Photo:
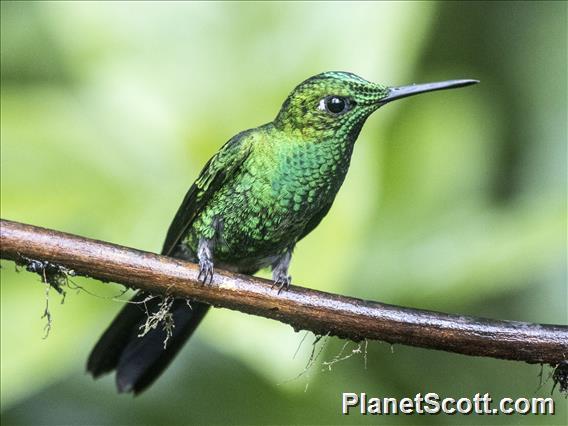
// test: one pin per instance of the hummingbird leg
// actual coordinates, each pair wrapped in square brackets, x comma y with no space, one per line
[205,256]
[280,271]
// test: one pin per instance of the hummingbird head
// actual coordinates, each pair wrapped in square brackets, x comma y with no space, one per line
[337,103]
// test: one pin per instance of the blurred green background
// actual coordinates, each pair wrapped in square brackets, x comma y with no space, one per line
[455,201]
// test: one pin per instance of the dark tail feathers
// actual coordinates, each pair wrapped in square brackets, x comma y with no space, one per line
[139,361]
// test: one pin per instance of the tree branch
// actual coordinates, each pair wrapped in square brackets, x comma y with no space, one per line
[319,312]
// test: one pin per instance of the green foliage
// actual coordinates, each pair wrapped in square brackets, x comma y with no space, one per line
[454,201]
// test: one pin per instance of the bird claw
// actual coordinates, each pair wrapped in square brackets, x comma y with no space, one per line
[205,271]
[282,282]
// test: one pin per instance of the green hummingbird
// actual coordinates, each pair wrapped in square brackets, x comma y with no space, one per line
[262,192]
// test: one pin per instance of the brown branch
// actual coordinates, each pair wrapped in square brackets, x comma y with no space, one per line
[319,312]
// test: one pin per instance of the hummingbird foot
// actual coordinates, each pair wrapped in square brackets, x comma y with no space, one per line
[205,271]
[282,282]
[205,256]
[280,271]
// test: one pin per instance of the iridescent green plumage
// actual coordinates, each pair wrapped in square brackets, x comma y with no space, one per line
[265,189]
[268,187]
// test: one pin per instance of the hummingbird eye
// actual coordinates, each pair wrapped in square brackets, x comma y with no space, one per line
[334,105]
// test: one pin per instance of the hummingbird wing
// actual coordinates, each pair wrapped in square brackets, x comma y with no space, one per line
[140,360]
[218,170]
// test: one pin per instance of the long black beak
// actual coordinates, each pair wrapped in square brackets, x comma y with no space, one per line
[415,89]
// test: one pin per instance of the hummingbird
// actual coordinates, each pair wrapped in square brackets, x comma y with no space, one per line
[262,192]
